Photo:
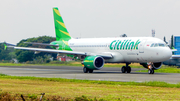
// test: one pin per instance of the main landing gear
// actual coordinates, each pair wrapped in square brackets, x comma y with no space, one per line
[86,70]
[126,68]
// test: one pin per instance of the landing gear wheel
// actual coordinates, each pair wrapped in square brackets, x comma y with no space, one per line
[128,69]
[123,69]
[90,70]
[85,70]
[151,71]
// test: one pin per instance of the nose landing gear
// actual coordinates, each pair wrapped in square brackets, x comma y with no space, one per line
[151,69]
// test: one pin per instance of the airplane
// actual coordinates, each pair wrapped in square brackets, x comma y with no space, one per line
[95,52]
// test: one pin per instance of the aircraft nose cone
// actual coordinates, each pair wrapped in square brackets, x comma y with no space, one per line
[167,54]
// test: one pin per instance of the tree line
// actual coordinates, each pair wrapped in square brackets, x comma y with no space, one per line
[25,55]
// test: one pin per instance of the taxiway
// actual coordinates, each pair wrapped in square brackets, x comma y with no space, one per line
[108,74]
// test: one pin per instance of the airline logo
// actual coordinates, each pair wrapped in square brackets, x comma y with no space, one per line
[124,45]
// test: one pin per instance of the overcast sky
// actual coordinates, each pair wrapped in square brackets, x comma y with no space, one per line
[22,19]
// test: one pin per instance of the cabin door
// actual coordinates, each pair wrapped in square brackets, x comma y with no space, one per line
[141,46]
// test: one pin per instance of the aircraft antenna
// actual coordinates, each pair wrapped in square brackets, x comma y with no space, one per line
[153,33]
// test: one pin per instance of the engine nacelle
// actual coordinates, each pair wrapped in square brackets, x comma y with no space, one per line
[156,65]
[93,62]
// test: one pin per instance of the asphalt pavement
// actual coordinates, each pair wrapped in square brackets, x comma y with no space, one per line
[108,74]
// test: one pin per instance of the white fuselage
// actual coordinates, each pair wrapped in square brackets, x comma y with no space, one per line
[124,49]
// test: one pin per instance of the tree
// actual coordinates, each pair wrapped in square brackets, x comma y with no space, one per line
[25,55]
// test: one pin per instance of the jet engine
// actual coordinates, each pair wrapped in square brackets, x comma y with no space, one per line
[93,62]
[155,65]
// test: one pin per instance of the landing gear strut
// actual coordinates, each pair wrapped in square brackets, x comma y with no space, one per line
[126,68]
[151,69]
[86,70]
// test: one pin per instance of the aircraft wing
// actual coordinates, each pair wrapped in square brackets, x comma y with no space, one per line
[50,50]
[104,55]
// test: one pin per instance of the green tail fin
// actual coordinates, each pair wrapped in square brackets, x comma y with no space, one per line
[5,47]
[60,28]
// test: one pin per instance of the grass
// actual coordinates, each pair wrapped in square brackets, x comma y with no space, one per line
[13,64]
[72,88]
[118,65]
[150,83]
[87,89]
[165,69]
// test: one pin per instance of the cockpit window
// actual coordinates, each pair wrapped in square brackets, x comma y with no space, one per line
[161,45]
[156,45]
[152,45]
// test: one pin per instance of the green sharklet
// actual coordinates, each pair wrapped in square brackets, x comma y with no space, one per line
[124,45]
[5,47]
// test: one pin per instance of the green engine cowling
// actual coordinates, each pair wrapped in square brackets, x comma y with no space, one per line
[93,62]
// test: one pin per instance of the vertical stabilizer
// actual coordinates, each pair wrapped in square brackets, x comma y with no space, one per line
[60,28]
